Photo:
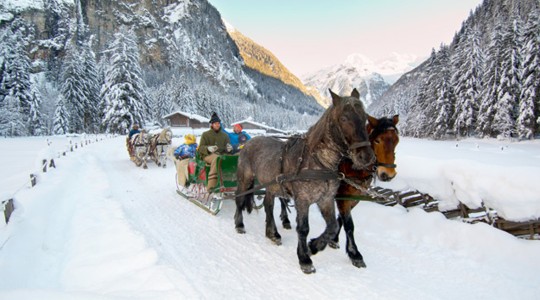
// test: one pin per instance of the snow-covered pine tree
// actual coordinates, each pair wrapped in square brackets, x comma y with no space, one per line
[468,62]
[57,33]
[491,80]
[422,106]
[510,88]
[73,88]
[15,81]
[61,117]
[11,122]
[445,94]
[36,124]
[91,88]
[124,91]
[529,104]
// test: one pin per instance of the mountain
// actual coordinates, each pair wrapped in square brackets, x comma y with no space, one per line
[188,60]
[262,60]
[358,71]
[486,83]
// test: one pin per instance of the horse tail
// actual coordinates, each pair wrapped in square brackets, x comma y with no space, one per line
[245,202]
[246,181]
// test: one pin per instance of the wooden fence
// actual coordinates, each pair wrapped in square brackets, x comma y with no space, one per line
[527,229]
[8,205]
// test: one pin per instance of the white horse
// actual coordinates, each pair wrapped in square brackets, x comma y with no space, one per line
[159,144]
[140,146]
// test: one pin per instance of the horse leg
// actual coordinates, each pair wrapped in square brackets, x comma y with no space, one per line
[354,255]
[241,201]
[271,229]
[283,215]
[334,243]
[342,206]
[302,229]
[329,214]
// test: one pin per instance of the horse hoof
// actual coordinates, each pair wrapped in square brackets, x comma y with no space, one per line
[287,226]
[275,240]
[240,230]
[359,263]
[333,245]
[145,167]
[308,269]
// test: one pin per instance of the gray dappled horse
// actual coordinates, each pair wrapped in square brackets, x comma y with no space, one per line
[305,169]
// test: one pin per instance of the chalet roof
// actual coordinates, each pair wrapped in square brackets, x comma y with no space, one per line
[189,115]
[260,125]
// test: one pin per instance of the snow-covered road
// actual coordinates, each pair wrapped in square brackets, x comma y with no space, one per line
[98,227]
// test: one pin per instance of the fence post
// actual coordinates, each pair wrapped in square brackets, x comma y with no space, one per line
[44,164]
[8,208]
[33,179]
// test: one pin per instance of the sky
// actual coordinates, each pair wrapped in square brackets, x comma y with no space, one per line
[98,227]
[307,36]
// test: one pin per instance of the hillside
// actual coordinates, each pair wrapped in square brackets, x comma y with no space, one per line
[486,83]
[182,53]
[260,59]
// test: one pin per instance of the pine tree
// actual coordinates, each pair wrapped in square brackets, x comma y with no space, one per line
[510,88]
[72,89]
[11,122]
[15,82]
[445,94]
[491,79]
[468,62]
[35,120]
[530,94]
[61,117]
[124,91]
[91,87]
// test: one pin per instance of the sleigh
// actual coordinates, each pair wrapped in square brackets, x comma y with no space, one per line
[197,181]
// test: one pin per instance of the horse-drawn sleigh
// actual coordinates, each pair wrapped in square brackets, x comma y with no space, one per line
[337,155]
[143,146]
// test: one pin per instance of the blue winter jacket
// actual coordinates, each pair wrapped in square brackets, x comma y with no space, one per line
[185,151]
[237,139]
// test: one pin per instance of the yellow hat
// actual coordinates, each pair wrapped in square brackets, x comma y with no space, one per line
[190,139]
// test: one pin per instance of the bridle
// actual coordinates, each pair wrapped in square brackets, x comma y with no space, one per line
[374,134]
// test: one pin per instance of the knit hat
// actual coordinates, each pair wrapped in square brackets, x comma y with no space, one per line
[214,118]
[189,139]
[238,126]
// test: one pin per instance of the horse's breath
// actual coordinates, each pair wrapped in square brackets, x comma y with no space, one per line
[339,132]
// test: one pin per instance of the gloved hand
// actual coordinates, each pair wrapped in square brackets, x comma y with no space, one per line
[229,148]
[212,149]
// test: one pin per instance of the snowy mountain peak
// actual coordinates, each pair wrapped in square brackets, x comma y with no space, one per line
[359,61]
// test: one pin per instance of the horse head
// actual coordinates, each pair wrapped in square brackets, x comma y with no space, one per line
[383,136]
[166,136]
[350,132]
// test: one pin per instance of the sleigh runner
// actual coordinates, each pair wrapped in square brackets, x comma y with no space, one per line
[195,190]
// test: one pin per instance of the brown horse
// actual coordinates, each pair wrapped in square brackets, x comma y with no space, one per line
[305,169]
[383,136]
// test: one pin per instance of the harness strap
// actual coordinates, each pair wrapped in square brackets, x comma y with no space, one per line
[303,175]
[379,164]
[359,145]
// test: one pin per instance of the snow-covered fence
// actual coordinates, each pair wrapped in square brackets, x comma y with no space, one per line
[8,207]
[527,229]
[45,159]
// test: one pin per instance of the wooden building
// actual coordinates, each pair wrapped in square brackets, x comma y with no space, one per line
[249,124]
[183,119]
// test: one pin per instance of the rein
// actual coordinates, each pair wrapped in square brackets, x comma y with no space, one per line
[302,175]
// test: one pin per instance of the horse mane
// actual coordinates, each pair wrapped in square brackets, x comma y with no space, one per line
[383,124]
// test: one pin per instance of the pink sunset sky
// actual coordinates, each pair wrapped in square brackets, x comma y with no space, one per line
[308,35]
